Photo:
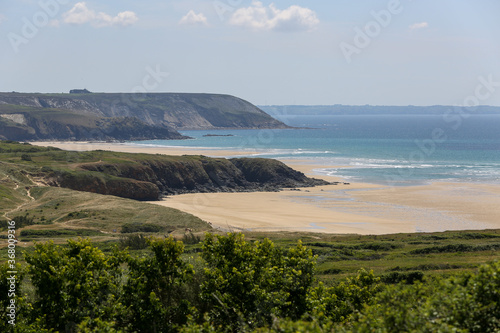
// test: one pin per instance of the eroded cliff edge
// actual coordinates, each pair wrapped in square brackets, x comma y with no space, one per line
[174,111]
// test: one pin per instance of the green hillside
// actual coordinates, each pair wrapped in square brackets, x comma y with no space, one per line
[28,123]
[170,110]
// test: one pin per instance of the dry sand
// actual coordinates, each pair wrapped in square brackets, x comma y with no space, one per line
[129,148]
[354,208]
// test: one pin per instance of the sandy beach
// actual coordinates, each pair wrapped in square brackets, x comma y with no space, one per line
[355,208]
[128,148]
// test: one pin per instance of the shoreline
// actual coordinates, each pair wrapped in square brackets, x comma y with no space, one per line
[359,208]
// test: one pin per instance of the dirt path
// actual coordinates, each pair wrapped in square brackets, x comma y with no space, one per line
[28,193]
[6,214]
[20,206]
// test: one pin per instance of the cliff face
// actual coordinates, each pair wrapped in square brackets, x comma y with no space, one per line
[95,183]
[179,111]
[29,123]
[204,174]
[146,176]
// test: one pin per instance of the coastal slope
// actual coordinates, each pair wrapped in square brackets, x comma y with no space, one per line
[27,123]
[180,111]
[145,176]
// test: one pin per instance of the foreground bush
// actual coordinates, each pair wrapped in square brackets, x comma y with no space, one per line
[236,286]
[249,283]
[73,283]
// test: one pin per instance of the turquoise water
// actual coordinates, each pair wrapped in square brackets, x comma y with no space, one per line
[382,149]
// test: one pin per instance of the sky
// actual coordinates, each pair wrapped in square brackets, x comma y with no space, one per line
[293,52]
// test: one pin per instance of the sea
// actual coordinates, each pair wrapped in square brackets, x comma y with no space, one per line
[397,150]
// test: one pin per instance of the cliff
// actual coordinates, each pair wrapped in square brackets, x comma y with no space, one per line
[170,110]
[192,174]
[148,177]
[29,123]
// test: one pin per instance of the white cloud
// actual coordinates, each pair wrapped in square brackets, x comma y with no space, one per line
[259,17]
[81,14]
[2,18]
[191,18]
[421,25]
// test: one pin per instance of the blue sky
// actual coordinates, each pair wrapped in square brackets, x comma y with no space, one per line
[420,52]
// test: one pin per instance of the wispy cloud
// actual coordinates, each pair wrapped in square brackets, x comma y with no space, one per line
[420,25]
[81,14]
[2,18]
[259,17]
[191,18]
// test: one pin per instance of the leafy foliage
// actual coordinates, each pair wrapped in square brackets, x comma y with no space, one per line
[249,283]
[141,227]
[74,283]
[133,242]
[154,291]
[235,286]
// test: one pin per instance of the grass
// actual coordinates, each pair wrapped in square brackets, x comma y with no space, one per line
[52,209]
[339,256]
[64,207]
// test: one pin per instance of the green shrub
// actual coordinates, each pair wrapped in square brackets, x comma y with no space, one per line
[450,248]
[141,227]
[332,271]
[155,291]
[462,303]
[190,238]
[26,157]
[247,283]
[33,233]
[74,283]
[133,242]
[340,302]
[407,277]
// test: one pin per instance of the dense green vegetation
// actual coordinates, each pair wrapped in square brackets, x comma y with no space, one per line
[235,285]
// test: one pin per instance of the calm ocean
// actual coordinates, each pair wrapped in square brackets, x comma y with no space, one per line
[381,149]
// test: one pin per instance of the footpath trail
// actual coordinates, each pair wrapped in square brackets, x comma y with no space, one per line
[8,214]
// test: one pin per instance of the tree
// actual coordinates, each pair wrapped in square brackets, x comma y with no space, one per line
[249,283]
[74,283]
[155,290]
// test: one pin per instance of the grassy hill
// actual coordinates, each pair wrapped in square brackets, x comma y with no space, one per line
[27,123]
[145,176]
[43,212]
[61,193]
[171,110]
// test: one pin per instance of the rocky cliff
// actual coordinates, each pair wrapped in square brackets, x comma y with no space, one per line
[29,123]
[147,176]
[171,110]
[192,174]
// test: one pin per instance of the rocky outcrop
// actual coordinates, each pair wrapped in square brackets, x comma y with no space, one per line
[148,177]
[96,183]
[192,174]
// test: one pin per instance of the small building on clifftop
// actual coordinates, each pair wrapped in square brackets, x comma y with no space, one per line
[79,91]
